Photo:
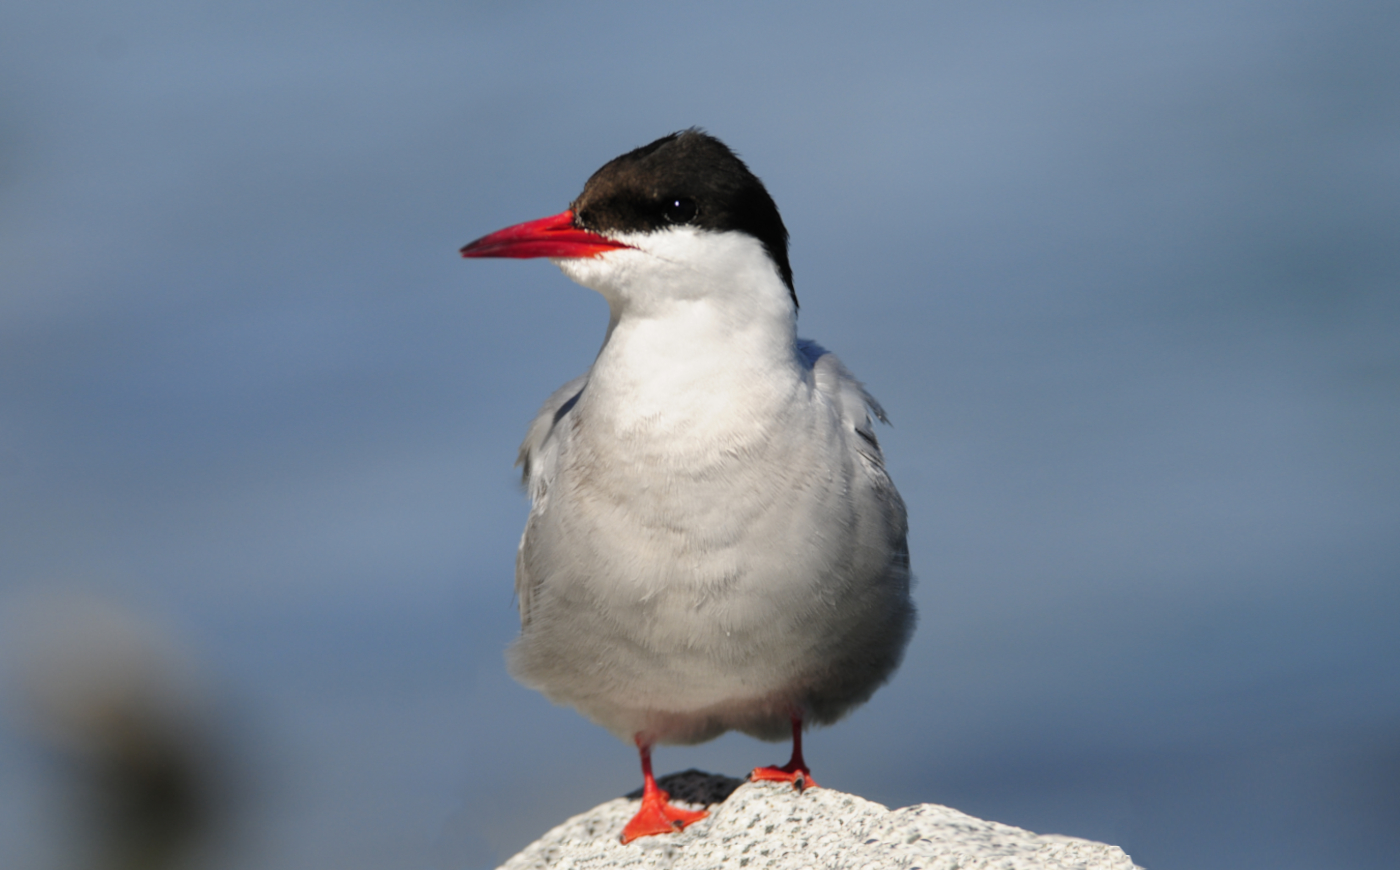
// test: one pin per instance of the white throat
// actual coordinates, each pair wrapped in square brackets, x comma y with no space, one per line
[700,321]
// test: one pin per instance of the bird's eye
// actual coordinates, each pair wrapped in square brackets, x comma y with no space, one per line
[678,210]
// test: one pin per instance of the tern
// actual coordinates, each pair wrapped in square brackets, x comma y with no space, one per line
[713,542]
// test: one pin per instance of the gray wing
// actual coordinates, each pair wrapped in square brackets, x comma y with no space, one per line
[539,455]
[858,408]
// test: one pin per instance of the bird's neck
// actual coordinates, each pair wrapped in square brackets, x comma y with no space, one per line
[697,366]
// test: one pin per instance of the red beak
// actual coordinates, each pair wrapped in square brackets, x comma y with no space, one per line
[547,237]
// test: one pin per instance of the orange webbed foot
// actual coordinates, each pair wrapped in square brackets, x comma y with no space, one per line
[657,816]
[800,777]
[795,771]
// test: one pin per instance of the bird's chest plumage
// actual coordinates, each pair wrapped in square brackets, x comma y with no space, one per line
[686,549]
[691,498]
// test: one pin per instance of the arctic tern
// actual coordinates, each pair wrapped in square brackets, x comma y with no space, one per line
[713,542]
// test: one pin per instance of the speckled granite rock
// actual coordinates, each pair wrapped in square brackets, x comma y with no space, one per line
[770,825]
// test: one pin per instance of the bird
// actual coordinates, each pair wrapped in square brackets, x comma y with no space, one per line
[713,542]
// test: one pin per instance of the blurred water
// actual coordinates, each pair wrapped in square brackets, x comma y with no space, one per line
[1123,276]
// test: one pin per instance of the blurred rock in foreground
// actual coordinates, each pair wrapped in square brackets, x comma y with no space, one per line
[131,722]
[771,825]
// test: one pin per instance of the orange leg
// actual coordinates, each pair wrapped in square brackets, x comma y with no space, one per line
[656,816]
[795,771]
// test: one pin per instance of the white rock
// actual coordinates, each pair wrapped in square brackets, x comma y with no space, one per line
[771,825]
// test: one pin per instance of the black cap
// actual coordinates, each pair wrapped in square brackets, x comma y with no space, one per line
[687,178]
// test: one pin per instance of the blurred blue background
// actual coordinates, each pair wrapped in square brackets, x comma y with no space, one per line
[1124,275]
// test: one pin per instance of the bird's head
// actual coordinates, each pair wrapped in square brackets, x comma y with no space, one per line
[677,219]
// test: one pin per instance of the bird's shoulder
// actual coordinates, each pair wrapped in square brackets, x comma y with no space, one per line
[858,409]
[539,450]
